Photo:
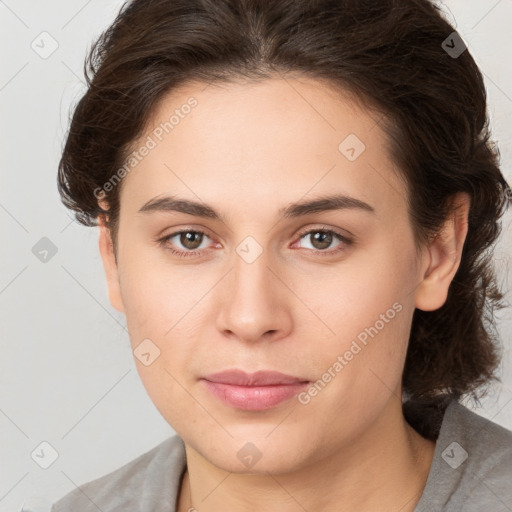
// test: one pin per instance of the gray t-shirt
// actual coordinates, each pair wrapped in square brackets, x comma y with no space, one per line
[471,472]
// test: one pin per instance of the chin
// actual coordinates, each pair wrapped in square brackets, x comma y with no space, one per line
[256,454]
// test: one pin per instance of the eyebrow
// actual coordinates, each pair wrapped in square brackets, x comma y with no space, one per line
[321,204]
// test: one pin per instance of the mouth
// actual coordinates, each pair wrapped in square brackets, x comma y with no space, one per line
[253,392]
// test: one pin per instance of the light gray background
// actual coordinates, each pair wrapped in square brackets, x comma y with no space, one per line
[67,373]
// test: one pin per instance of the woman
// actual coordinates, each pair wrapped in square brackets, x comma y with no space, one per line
[296,202]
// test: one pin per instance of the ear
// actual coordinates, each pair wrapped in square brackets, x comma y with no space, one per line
[442,257]
[110,265]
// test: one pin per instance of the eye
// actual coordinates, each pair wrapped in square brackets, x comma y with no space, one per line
[322,238]
[192,241]
[189,239]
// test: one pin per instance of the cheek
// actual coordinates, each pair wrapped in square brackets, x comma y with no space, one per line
[353,295]
[169,392]
[359,371]
[161,307]
[366,309]
[155,296]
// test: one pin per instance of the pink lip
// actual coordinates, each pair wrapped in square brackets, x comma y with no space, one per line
[253,392]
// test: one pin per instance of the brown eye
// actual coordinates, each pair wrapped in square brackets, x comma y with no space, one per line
[191,239]
[184,243]
[321,239]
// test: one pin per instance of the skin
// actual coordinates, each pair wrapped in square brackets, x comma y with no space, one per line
[248,150]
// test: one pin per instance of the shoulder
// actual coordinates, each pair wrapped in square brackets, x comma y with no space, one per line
[472,466]
[487,475]
[148,482]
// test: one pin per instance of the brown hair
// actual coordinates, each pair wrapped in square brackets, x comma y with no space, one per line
[393,56]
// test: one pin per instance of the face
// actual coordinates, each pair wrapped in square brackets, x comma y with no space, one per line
[324,294]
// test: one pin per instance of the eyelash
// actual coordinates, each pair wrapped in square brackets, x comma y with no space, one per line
[186,254]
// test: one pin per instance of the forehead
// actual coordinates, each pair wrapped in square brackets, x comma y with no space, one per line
[242,143]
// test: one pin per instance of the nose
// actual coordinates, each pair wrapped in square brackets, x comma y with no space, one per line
[253,302]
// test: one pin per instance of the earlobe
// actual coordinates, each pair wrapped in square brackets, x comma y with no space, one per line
[110,265]
[442,257]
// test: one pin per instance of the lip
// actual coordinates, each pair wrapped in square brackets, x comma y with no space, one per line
[253,391]
[238,377]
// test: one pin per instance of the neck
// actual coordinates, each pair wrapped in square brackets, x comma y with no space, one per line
[385,468]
